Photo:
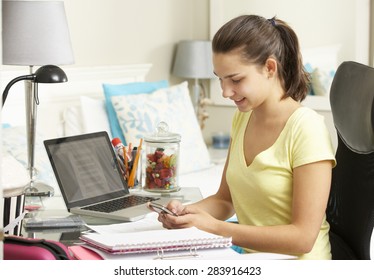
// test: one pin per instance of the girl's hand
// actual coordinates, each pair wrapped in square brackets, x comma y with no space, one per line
[188,216]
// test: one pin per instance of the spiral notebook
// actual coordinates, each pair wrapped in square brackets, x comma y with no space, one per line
[156,241]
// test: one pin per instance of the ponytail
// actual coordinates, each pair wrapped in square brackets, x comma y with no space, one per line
[292,72]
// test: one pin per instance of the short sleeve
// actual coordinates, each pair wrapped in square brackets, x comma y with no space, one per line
[311,141]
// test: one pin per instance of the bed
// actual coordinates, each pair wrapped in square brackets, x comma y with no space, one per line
[81,106]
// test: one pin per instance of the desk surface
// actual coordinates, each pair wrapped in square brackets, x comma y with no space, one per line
[55,207]
[70,236]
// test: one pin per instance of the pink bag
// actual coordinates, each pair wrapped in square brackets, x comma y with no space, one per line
[20,248]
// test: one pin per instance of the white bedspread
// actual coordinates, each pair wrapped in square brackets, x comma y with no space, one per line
[207,180]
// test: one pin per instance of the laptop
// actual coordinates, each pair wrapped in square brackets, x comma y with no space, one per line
[90,179]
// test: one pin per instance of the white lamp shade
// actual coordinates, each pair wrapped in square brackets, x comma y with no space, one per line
[35,33]
[193,60]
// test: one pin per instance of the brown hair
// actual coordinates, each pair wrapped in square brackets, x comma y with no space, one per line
[258,39]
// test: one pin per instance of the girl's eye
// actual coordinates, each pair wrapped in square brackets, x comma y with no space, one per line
[236,81]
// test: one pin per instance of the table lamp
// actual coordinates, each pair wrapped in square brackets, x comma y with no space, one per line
[193,60]
[35,33]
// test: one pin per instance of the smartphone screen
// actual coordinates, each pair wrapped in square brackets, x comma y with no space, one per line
[160,208]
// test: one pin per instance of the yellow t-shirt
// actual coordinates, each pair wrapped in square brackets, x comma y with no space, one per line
[262,191]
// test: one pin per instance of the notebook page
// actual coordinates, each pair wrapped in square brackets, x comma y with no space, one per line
[150,222]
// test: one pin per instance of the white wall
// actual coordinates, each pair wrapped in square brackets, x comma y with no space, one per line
[127,31]
[316,22]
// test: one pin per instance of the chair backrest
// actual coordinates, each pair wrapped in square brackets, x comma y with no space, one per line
[350,209]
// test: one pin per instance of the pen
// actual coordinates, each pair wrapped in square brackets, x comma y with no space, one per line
[129,152]
[122,167]
[125,159]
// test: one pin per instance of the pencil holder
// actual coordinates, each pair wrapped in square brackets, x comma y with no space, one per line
[162,160]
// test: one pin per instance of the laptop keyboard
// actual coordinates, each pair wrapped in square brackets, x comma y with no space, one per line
[120,203]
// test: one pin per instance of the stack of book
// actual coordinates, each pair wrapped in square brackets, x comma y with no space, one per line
[158,242]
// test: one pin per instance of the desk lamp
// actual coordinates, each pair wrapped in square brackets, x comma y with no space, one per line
[35,33]
[193,60]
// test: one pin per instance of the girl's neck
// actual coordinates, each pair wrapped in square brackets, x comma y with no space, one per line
[275,110]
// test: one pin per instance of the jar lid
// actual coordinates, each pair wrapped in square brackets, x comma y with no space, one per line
[162,135]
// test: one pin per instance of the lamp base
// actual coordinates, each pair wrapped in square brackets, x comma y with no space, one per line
[39,189]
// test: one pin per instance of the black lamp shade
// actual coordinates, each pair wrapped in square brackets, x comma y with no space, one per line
[46,74]
[50,74]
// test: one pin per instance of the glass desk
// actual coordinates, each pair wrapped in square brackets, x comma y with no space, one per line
[52,208]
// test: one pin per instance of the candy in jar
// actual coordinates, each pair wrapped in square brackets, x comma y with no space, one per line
[162,159]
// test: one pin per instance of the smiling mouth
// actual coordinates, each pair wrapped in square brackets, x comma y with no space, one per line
[238,101]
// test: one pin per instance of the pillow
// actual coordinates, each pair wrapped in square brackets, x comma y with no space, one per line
[125,89]
[14,143]
[321,63]
[94,115]
[72,121]
[321,81]
[139,114]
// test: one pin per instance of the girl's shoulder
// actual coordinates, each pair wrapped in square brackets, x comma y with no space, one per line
[305,115]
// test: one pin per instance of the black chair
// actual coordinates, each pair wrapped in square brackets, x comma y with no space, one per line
[350,209]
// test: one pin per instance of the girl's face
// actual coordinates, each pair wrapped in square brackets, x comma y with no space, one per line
[247,85]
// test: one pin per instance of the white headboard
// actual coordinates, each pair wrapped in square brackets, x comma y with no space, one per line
[55,98]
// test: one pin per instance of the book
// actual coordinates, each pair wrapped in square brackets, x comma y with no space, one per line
[82,253]
[156,241]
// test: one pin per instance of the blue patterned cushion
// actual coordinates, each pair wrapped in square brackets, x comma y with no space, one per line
[139,115]
[126,89]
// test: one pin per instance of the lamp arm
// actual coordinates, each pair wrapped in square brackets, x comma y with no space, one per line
[12,82]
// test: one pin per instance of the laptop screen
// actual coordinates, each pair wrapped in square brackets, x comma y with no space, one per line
[86,168]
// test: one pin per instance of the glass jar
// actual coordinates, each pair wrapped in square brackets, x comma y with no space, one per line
[162,159]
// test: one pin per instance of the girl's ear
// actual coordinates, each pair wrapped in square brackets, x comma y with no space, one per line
[271,67]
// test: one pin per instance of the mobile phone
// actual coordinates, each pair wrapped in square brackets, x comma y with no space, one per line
[161,209]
